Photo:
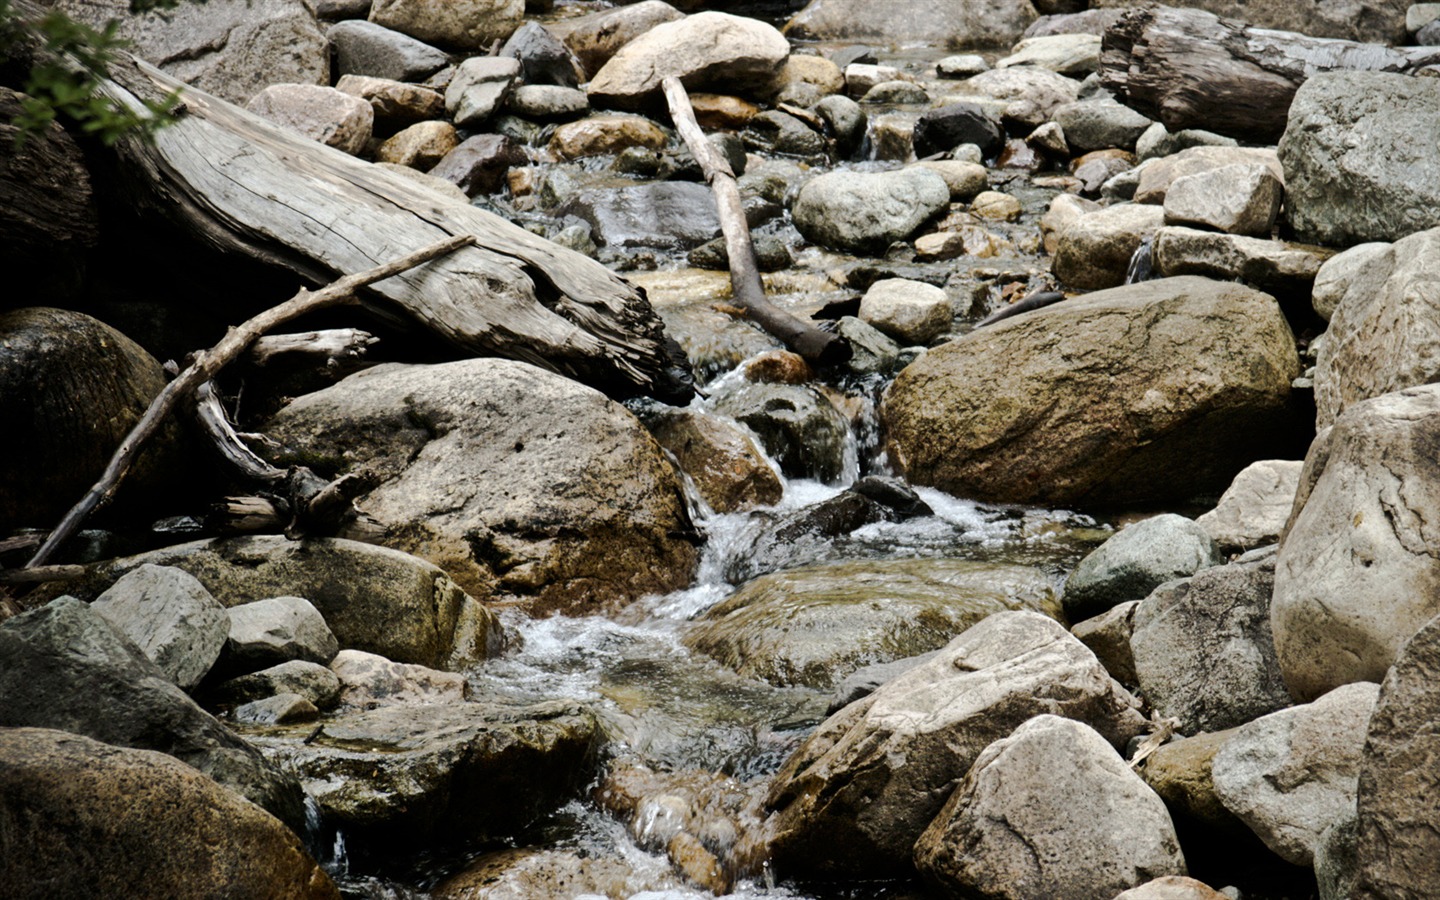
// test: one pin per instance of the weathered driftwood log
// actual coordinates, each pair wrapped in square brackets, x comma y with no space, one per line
[1192,69]
[749,291]
[245,185]
[45,198]
[331,348]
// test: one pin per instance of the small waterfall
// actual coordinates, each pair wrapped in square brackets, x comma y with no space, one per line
[1141,266]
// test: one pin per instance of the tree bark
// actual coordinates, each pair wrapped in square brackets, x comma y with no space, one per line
[1192,69]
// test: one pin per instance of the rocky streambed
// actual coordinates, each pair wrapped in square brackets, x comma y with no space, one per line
[1104,566]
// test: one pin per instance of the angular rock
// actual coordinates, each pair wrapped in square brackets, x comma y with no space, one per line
[420,146]
[1290,774]
[86,819]
[1075,55]
[596,37]
[1108,637]
[598,135]
[368,681]
[1135,561]
[814,626]
[268,632]
[726,464]
[1180,772]
[1010,830]
[1255,507]
[1278,267]
[1362,134]
[312,681]
[1238,199]
[803,536]
[394,103]
[940,23]
[1156,178]
[858,793]
[670,214]
[479,88]
[1098,124]
[479,163]
[1337,274]
[986,416]
[798,427]
[461,24]
[1158,142]
[773,131]
[570,505]
[544,58]
[281,709]
[866,212]
[1094,251]
[170,617]
[548,102]
[911,312]
[947,127]
[1357,573]
[871,352]
[364,48]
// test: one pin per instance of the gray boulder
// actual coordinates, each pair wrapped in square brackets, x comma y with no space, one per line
[1371,135]
[596,37]
[855,797]
[1135,561]
[911,312]
[332,117]
[1367,21]
[1338,273]
[364,48]
[1255,507]
[1108,637]
[1075,55]
[866,212]
[1156,178]
[943,23]
[268,632]
[1044,90]
[668,214]
[1238,199]
[479,88]
[1357,573]
[946,127]
[1290,774]
[1282,268]
[170,617]
[461,24]
[544,58]
[368,681]
[1011,832]
[1100,124]
[548,102]
[797,425]
[1094,251]
[312,681]
[1158,141]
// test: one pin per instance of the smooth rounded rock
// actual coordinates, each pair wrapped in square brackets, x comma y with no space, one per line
[323,114]
[462,24]
[866,212]
[1135,561]
[911,312]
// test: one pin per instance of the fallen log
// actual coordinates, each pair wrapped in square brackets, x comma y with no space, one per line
[244,185]
[814,345]
[1189,68]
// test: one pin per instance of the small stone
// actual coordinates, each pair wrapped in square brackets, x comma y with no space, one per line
[420,146]
[478,165]
[965,179]
[995,205]
[1050,138]
[722,111]
[548,102]
[896,92]
[394,102]
[963,66]
[323,114]
[860,77]
[599,135]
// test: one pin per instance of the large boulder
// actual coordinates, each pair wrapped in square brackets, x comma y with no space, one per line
[170,617]
[1368,21]
[518,482]
[1357,573]
[1010,831]
[815,625]
[1366,135]
[1158,391]
[706,51]
[64,667]
[1385,331]
[461,24]
[946,23]
[866,212]
[82,819]
[855,797]
[1136,560]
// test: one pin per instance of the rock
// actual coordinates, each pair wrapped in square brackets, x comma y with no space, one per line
[802,536]
[964,179]
[1339,272]
[1429,36]
[1253,510]
[428,775]
[569,506]
[911,312]
[896,93]
[871,352]
[548,102]
[1156,178]
[1064,211]
[857,794]
[268,632]
[771,255]
[1385,332]
[726,464]
[996,206]
[170,617]
[480,87]
[596,37]
[937,23]
[368,681]
[777,132]
[421,146]
[1172,887]
[866,680]
[1356,574]
[1135,561]
[1094,251]
[1203,650]
[67,404]
[721,111]
[1336,864]
[947,127]
[478,164]
[802,69]
[598,135]
[1098,124]
[866,212]
[1010,830]
[372,598]
[1158,142]
[1108,637]
[861,77]
[798,427]
[312,681]
[62,666]
[706,51]
[555,874]
[1362,134]
[281,709]
[1075,55]
[985,416]
[890,138]
[1180,772]
[544,58]
[229,48]
[83,819]
[668,214]
[1370,21]
[1089,21]
[1397,805]
[1238,199]
[364,48]
[814,626]
[961,66]
[394,102]
[1278,267]
[460,24]
[1046,91]
[1097,168]
[1290,774]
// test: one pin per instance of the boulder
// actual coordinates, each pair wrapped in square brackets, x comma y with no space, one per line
[479,89]
[1281,268]
[866,212]
[170,617]
[801,70]
[964,179]
[544,58]
[814,626]
[280,709]
[1094,251]
[1398,805]
[1135,561]
[726,464]
[478,164]
[1065,209]
[364,48]
[368,681]
[1367,21]
[1203,650]
[323,114]
[458,24]
[1043,90]
[1075,55]
[911,312]
[1370,135]
[855,797]
[1237,199]
[1255,507]
[706,51]
[64,667]
[312,681]
[599,135]
[268,632]
[667,214]
[548,102]
[1385,332]
[596,37]
[1071,21]
[1339,272]
[774,131]
[1290,774]
[394,103]
[570,505]
[1010,831]
[1180,772]
[1156,178]
[803,536]
[1160,390]
[420,146]
[556,873]
[1172,887]
[946,127]
[85,819]
[941,23]
[1158,142]
[1100,124]
[1357,573]
[799,428]
[1108,637]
